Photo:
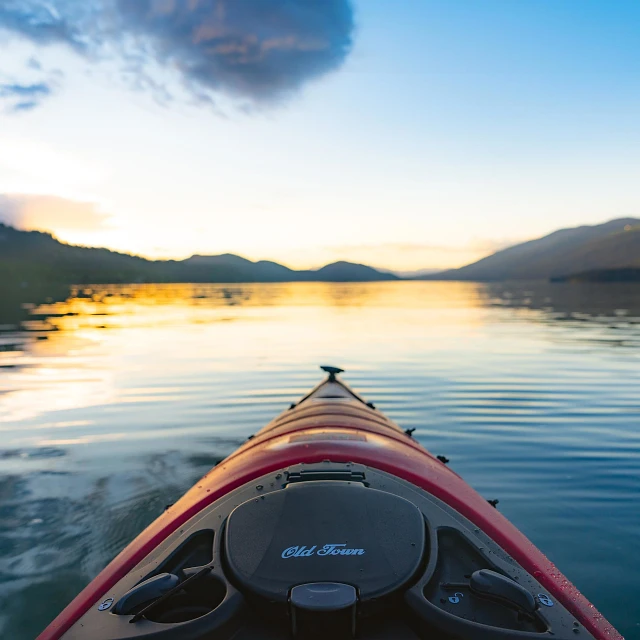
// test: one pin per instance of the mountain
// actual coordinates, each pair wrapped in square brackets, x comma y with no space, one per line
[240,269]
[616,252]
[33,258]
[614,244]
[350,272]
[28,256]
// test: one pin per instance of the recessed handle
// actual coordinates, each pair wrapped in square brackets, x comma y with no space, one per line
[494,586]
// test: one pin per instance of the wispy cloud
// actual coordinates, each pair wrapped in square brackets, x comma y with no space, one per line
[255,50]
[24,90]
[37,90]
[42,22]
[34,63]
[29,105]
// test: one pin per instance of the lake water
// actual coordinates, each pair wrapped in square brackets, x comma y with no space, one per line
[115,400]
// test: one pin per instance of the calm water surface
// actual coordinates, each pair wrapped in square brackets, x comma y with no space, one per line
[116,400]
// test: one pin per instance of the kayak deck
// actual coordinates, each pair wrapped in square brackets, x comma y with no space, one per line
[332,443]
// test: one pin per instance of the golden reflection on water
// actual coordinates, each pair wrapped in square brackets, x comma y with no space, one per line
[77,352]
[81,319]
[70,353]
[126,299]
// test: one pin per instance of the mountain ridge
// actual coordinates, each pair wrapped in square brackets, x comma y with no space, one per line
[613,244]
[34,255]
[606,252]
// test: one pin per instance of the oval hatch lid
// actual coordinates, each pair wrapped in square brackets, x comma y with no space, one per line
[324,531]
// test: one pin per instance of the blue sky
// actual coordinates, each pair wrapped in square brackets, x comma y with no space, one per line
[402,134]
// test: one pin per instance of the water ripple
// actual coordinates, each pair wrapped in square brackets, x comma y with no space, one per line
[115,400]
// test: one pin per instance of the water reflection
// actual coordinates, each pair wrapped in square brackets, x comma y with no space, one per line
[585,300]
[595,313]
[84,307]
[115,399]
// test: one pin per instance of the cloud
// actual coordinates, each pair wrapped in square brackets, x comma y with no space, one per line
[23,97]
[39,21]
[25,90]
[255,50]
[50,213]
[24,106]
[34,63]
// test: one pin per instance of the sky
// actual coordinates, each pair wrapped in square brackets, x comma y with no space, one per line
[404,134]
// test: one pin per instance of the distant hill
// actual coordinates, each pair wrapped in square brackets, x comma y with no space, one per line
[612,245]
[266,271]
[614,257]
[30,258]
[239,268]
[350,272]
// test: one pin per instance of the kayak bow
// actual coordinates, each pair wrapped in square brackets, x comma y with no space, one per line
[331,522]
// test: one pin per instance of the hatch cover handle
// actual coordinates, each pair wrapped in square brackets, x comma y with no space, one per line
[323,610]
[307,475]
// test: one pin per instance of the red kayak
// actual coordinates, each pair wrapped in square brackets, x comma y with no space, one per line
[332,522]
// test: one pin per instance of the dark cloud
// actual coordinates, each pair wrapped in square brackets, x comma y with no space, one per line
[256,48]
[260,50]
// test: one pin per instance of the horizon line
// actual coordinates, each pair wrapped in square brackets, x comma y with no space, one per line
[148,258]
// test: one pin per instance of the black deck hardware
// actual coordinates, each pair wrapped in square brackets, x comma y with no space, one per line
[168,594]
[346,475]
[502,589]
[443,459]
[332,371]
[409,432]
[328,606]
[145,592]
[494,503]
[495,586]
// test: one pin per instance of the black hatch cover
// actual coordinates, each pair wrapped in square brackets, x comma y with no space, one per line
[324,531]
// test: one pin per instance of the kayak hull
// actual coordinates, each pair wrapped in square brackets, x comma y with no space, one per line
[333,424]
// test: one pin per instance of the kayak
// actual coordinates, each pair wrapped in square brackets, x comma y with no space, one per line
[331,522]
